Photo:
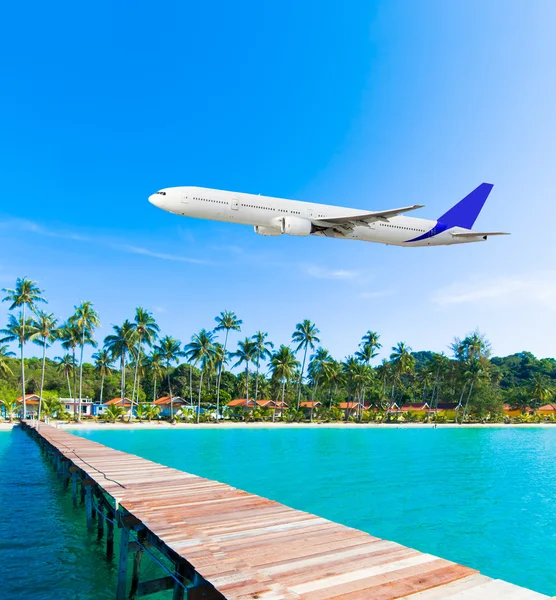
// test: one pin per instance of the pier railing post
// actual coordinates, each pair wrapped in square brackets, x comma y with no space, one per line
[110,516]
[89,503]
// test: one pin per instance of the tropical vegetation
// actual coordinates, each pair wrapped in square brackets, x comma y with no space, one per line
[136,361]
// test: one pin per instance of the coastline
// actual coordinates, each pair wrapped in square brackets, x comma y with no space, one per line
[269,425]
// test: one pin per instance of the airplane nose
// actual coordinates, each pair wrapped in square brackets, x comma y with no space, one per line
[157,200]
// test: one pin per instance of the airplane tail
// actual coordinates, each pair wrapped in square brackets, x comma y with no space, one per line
[465,212]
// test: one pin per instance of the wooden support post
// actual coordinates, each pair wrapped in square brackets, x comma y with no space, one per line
[65,471]
[122,565]
[110,533]
[73,471]
[100,523]
[89,504]
[82,492]
[180,573]
[136,571]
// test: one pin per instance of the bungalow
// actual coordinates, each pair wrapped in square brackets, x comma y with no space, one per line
[350,408]
[547,410]
[167,404]
[416,408]
[71,405]
[249,405]
[31,405]
[125,403]
[514,412]
[309,407]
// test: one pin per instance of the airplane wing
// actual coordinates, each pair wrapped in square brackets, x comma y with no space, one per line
[364,218]
[472,234]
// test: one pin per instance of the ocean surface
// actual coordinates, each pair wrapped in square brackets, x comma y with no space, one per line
[483,497]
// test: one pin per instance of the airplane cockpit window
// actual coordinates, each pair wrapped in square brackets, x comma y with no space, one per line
[161,193]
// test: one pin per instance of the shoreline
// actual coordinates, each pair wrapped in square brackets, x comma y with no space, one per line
[136,425]
[269,425]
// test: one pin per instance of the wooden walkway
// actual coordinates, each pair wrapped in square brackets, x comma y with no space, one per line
[238,546]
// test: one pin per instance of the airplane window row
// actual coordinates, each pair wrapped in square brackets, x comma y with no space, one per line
[400,227]
[209,200]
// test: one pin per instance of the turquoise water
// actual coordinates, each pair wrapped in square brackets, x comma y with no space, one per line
[482,497]
[45,549]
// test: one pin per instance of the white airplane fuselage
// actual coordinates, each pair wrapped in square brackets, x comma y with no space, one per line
[276,216]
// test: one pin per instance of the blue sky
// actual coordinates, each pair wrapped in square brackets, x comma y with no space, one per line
[364,104]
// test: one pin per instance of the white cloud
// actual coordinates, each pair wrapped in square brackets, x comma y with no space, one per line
[377,294]
[538,288]
[29,226]
[322,273]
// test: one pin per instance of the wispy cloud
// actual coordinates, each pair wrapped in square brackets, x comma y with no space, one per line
[160,255]
[323,273]
[539,288]
[31,227]
[377,294]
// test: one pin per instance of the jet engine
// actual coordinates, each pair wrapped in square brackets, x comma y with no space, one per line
[296,226]
[265,230]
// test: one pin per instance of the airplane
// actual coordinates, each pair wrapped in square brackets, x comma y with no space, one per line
[277,216]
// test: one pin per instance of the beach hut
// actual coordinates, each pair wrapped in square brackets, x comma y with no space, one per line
[416,408]
[125,403]
[350,408]
[308,407]
[71,405]
[31,405]
[547,410]
[165,403]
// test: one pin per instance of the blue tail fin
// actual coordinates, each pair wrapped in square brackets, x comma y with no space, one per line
[466,211]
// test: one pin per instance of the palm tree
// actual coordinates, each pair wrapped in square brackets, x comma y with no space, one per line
[316,368]
[120,344]
[368,349]
[4,366]
[45,332]
[66,366]
[246,353]
[201,350]
[113,413]
[10,406]
[170,351]
[146,331]
[18,330]
[541,391]
[227,321]
[305,336]
[156,368]
[263,353]
[333,375]
[403,362]
[283,366]
[85,319]
[473,374]
[70,336]
[26,295]
[152,411]
[103,365]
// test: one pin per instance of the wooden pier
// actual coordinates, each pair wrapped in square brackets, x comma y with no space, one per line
[222,542]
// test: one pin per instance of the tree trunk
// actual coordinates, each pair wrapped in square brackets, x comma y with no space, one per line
[154,389]
[101,388]
[257,377]
[199,399]
[301,378]
[247,386]
[42,377]
[460,399]
[170,392]
[135,382]
[74,384]
[69,384]
[191,387]
[313,399]
[81,372]
[467,401]
[219,376]
[23,364]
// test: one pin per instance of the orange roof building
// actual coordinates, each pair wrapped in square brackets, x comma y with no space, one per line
[118,402]
[32,399]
